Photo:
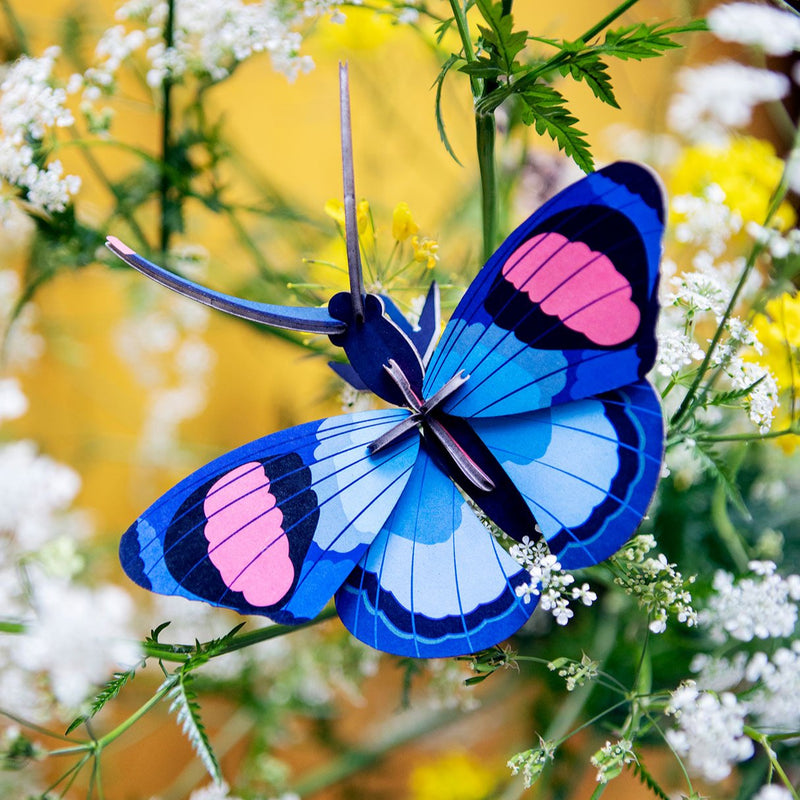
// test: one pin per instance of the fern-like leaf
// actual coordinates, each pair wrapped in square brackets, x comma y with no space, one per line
[109,691]
[546,109]
[588,67]
[648,780]
[719,467]
[187,710]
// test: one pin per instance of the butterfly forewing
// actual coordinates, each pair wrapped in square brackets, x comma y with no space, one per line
[275,526]
[566,307]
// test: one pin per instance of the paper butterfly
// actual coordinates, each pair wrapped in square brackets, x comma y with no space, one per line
[532,407]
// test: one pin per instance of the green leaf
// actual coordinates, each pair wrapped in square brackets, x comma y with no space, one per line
[720,468]
[648,780]
[642,41]
[111,689]
[482,68]
[588,67]
[500,39]
[451,62]
[187,709]
[546,109]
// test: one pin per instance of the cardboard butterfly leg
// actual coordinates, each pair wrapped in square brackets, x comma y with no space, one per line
[533,407]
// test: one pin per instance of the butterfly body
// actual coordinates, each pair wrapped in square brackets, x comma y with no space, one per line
[533,406]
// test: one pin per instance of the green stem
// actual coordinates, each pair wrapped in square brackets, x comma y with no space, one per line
[166,137]
[485,130]
[495,98]
[573,706]
[763,740]
[695,396]
[181,652]
[16,27]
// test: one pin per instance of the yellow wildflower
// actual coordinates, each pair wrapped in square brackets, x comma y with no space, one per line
[746,169]
[425,251]
[403,224]
[778,331]
[453,776]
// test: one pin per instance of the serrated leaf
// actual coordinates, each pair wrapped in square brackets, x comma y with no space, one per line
[500,38]
[588,67]
[641,41]
[187,710]
[109,691]
[729,398]
[546,109]
[648,780]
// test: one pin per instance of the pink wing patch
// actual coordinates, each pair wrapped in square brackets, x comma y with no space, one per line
[576,284]
[246,540]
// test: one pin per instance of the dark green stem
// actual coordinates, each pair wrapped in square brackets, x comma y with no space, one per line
[485,130]
[166,137]
[181,652]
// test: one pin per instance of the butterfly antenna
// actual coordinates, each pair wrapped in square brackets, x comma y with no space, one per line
[350,221]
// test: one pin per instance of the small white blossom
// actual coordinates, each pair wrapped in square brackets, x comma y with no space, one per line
[753,607]
[773,30]
[709,732]
[718,674]
[773,792]
[705,221]
[78,636]
[13,402]
[30,107]
[719,97]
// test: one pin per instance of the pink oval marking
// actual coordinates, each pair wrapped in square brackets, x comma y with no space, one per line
[580,286]
[246,540]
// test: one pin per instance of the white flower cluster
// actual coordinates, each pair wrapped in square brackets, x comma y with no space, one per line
[716,98]
[611,758]
[548,581]
[532,762]
[30,107]
[770,29]
[705,221]
[772,792]
[700,297]
[575,673]
[210,38]
[709,732]
[780,245]
[762,607]
[657,586]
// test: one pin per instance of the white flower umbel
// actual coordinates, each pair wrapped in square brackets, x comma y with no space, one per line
[714,99]
[705,220]
[758,607]
[770,29]
[772,792]
[31,107]
[211,37]
[77,637]
[774,705]
[548,581]
[214,791]
[709,732]
[657,586]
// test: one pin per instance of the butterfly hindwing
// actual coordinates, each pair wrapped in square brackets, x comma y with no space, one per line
[435,582]
[566,307]
[275,526]
[586,469]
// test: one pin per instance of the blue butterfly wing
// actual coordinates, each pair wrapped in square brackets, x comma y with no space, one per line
[586,469]
[435,582]
[275,526]
[566,307]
